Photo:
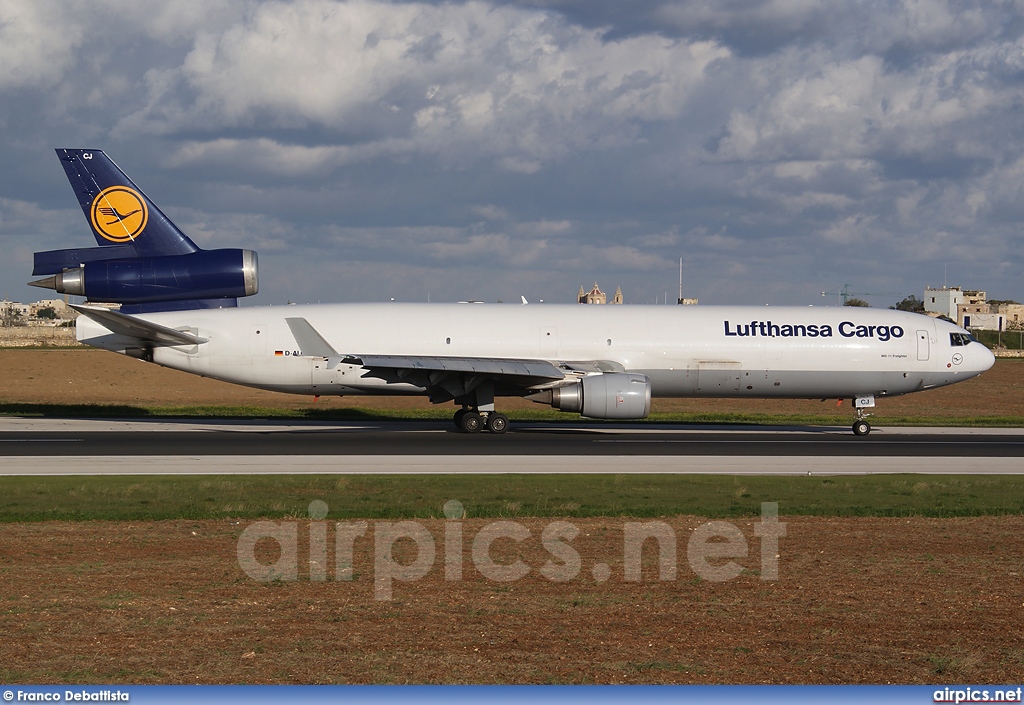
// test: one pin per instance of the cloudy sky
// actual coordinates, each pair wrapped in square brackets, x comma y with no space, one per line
[487,150]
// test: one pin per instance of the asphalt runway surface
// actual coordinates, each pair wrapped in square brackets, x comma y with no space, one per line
[96,447]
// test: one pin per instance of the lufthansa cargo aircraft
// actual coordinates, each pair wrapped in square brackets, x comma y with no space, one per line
[179,309]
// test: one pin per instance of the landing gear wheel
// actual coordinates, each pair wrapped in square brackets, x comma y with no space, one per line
[497,423]
[861,428]
[471,422]
[458,418]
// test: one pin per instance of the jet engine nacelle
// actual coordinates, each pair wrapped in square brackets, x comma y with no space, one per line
[206,274]
[606,396]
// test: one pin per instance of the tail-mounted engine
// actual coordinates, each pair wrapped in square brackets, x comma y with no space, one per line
[205,274]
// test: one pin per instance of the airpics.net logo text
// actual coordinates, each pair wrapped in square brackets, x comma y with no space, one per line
[710,549]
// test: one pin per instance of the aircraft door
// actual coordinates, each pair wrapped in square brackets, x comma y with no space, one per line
[923,346]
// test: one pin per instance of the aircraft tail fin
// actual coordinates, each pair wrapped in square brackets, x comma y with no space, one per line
[143,261]
[117,210]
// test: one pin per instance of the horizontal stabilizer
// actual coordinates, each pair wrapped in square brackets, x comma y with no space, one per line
[132,327]
[56,261]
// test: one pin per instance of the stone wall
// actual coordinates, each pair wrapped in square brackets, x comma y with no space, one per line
[29,336]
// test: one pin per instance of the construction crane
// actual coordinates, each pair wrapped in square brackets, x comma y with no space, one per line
[845,293]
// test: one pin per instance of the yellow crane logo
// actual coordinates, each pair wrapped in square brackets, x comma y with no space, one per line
[119,214]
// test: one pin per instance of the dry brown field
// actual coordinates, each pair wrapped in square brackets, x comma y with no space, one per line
[857,600]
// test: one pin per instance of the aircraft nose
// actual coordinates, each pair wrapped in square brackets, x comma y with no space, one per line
[981,358]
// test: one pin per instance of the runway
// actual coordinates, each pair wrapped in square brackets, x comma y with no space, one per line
[141,447]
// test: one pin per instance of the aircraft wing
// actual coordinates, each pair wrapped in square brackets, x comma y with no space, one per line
[443,377]
[447,378]
[133,327]
[498,366]
[312,343]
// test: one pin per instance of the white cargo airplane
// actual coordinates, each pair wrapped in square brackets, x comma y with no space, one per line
[604,362]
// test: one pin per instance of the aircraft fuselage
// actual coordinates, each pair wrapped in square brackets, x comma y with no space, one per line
[685,351]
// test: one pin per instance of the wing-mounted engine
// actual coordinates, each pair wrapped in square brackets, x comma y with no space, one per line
[602,396]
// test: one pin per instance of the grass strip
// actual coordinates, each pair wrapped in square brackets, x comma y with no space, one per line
[124,498]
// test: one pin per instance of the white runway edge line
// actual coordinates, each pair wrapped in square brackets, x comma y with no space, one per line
[491,464]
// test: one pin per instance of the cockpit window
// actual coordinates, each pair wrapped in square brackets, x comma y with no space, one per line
[960,339]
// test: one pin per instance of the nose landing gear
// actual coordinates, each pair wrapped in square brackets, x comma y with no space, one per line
[860,425]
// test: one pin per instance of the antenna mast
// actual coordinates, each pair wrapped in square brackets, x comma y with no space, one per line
[680,300]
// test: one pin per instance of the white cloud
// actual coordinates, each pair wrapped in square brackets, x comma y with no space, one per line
[269,156]
[470,79]
[171,21]
[547,228]
[819,108]
[37,44]
[850,230]
[487,248]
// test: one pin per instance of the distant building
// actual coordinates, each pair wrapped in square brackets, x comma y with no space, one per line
[15,307]
[975,312]
[687,301]
[971,309]
[944,301]
[58,305]
[1014,316]
[16,313]
[596,296]
[978,313]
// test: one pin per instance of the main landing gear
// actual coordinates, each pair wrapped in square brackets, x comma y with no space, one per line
[861,427]
[474,421]
[477,412]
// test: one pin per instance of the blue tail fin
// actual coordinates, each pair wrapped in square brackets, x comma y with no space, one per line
[143,261]
[118,212]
